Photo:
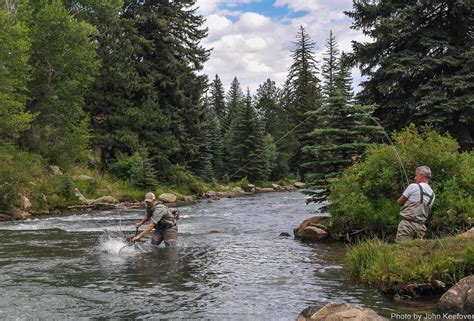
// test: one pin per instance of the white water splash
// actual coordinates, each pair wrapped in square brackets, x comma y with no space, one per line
[118,246]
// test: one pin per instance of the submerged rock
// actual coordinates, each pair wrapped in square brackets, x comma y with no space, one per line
[339,312]
[284,234]
[459,298]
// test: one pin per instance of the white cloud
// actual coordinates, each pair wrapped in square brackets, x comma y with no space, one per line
[254,47]
[298,5]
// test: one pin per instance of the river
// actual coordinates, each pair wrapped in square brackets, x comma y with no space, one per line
[230,264]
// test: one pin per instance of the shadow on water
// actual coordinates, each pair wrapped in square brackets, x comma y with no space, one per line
[230,264]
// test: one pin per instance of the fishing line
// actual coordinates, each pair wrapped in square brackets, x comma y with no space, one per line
[279,139]
[394,149]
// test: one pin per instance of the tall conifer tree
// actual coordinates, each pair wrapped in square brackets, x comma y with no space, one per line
[419,64]
[246,144]
[304,94]
[217,98]
[329,68]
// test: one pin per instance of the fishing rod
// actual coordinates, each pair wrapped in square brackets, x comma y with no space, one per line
[394,149]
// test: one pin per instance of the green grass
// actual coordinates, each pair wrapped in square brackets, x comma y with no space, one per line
[383,265]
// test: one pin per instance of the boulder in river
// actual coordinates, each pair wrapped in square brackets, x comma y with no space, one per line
[339,312]
[458,299]
[313,233]
[168,198]
[316,221]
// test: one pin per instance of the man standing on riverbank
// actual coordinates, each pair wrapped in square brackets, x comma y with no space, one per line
[162,220]
[416,202]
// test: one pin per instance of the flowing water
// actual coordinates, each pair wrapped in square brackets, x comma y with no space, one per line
[230,264]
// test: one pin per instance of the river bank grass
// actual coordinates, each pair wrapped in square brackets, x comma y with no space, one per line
[413,266]
[29,184]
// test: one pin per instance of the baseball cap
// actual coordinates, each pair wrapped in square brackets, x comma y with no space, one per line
[150,197]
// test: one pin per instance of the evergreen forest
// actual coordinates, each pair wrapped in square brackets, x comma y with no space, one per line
[117,86]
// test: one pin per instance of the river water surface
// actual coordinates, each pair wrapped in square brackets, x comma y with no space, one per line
[230,264]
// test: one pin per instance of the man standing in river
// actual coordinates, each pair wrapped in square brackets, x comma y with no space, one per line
[162,220]
[416,202]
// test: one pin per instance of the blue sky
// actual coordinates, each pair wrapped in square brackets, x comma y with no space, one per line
[252,39]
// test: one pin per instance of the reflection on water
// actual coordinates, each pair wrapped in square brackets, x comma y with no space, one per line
[230,264]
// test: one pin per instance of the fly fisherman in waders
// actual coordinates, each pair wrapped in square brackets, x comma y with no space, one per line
[416,202]
[161,219]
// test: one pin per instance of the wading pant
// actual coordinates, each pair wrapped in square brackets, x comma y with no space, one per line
[410,230]
[169,235]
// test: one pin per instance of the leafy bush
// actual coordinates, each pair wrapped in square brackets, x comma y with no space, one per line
[17,170]
[364,197]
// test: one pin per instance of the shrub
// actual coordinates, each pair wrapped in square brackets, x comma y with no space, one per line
[17,170]
[364,196]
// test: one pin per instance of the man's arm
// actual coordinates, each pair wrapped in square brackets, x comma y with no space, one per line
[146,218]
[401,201]
[145,232]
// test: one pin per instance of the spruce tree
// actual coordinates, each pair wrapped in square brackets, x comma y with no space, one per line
[169,56]
[304,95]
[217,99]
[234,101]
[269,105]
[246,144]
[216,140]
[343,77]
[143,174]
[329,68]
[343,132]
[419,65]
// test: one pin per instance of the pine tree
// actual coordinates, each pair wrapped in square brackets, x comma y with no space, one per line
[344,131]
[343,78]
[217,99]
[329,68]
[234,101]
[216,146]
[169,55]
[64,66]
[419,64]
[246,148]
[304,94]
[203,167]
[269,105]
[14,70]
[143,174]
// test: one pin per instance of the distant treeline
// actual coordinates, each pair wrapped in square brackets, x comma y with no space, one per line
[121,80]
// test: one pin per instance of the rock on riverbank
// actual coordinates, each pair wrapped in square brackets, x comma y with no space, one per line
[339,312]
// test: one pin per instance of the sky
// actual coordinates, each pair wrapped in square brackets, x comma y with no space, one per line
[253,39]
